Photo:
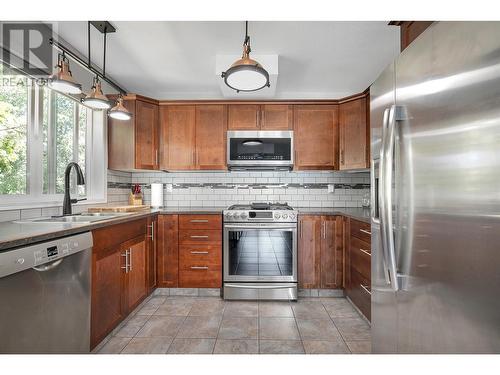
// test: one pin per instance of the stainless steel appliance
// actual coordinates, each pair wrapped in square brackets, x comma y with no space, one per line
[45,297]
[435,125]
[260,150]
[260,252]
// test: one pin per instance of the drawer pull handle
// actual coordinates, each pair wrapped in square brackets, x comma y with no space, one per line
[365,289]
[199,252]
[199,221]
[199,267]
[199,236]
[365,231]
[365,251]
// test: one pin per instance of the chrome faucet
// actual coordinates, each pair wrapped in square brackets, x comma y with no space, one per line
[79,181]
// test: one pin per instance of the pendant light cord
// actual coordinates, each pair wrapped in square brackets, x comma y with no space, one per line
[104,54]
[247,38]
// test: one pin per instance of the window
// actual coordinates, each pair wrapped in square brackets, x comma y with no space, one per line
[41,131]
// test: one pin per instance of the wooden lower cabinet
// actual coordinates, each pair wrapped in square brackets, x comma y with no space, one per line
[190,251]
[152,252]
[119,275]
[358,265]
[320,252]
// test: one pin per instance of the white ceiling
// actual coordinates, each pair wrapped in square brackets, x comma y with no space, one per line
[176,60]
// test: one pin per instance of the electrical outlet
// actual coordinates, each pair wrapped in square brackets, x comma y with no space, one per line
[331,188]
[169,188]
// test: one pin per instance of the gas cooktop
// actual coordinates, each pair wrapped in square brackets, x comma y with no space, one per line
[261,212]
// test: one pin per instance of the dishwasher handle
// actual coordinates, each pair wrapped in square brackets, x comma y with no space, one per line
[48,266]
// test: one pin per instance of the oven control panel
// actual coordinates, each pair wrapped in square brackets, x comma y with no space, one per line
[282,216]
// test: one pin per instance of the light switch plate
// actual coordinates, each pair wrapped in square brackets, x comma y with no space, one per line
[169,188]
[331,188]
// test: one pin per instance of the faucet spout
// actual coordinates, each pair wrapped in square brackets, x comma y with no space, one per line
[80,180]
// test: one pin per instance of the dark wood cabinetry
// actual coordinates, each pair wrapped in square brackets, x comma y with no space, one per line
[410,30]
[320,252]
[358,265]
[190,251]
[152,252]
[193,137]
[354,133]
[119,275]
[316,137]
[134,144]
[260,117]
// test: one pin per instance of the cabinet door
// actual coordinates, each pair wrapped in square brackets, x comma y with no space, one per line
[146,136]
[354,134]
[178,137]
[168,251]
[243,117]
[316,136]
[211,127]
[121,140]
[309,251]
[106,299]
[151,251]
[332,254]
[136,288]
[276,117]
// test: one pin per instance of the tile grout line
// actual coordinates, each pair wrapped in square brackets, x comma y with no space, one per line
[220,324]
[338,330]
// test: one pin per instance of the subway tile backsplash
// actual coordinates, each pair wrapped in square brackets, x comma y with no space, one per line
[221,189]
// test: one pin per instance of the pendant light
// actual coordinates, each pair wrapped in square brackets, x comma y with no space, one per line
[119,112]
[246,74]
[96,99]
[62,80]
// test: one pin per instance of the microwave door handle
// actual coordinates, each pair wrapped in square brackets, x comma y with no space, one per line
[386,201]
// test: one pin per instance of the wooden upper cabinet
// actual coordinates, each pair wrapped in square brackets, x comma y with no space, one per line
[309,252]
[211,128]
[316,136]
[276,117]
[134,144]
[354,134]
[178,137]
[332,252]
[410,30]
[146,136]
[243,117]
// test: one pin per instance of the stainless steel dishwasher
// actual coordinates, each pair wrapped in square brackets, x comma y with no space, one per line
[45,297]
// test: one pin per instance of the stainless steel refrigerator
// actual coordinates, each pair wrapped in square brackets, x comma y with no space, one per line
[435,166]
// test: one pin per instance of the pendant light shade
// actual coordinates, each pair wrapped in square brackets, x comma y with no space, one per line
[246,74]
[62,80]
[96,99]
[119,112]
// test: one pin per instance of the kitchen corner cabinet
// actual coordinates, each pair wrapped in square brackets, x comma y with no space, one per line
[316,137]
[134,144]
[119,275]
[358,265]
[168,251]
[410,30]
[320,252]
[193,137]
[354,134]
[260,117]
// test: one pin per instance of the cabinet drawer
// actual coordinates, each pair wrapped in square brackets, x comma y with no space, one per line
[361,230]
[361,257]
[360,293]
[200,222]
[201,278]
[199,237]
[191,255]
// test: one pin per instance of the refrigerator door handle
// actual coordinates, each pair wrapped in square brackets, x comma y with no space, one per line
[386,176]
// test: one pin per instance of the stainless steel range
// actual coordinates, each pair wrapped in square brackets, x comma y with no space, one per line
[260,252]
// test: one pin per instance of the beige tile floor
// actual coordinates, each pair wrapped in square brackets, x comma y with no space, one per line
[206,325]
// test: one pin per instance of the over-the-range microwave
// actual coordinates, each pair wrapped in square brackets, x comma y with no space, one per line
[259,150]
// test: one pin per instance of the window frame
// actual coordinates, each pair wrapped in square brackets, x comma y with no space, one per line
[95,150]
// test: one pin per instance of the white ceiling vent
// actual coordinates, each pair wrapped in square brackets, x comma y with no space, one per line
[269,62]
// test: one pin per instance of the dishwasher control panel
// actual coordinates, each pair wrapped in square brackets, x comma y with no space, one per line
[19,259]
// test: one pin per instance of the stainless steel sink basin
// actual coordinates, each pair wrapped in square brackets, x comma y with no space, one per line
[84,218]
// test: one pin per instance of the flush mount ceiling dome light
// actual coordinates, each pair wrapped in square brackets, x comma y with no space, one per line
[246,74]
[119,112]
[96,99]
[62,80]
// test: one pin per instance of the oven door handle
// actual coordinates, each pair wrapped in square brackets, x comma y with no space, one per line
[276,286]
[265,227]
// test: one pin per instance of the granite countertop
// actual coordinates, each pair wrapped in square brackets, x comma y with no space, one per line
[14,234]
[357,213]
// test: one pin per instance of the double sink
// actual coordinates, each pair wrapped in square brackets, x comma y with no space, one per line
[83,218]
